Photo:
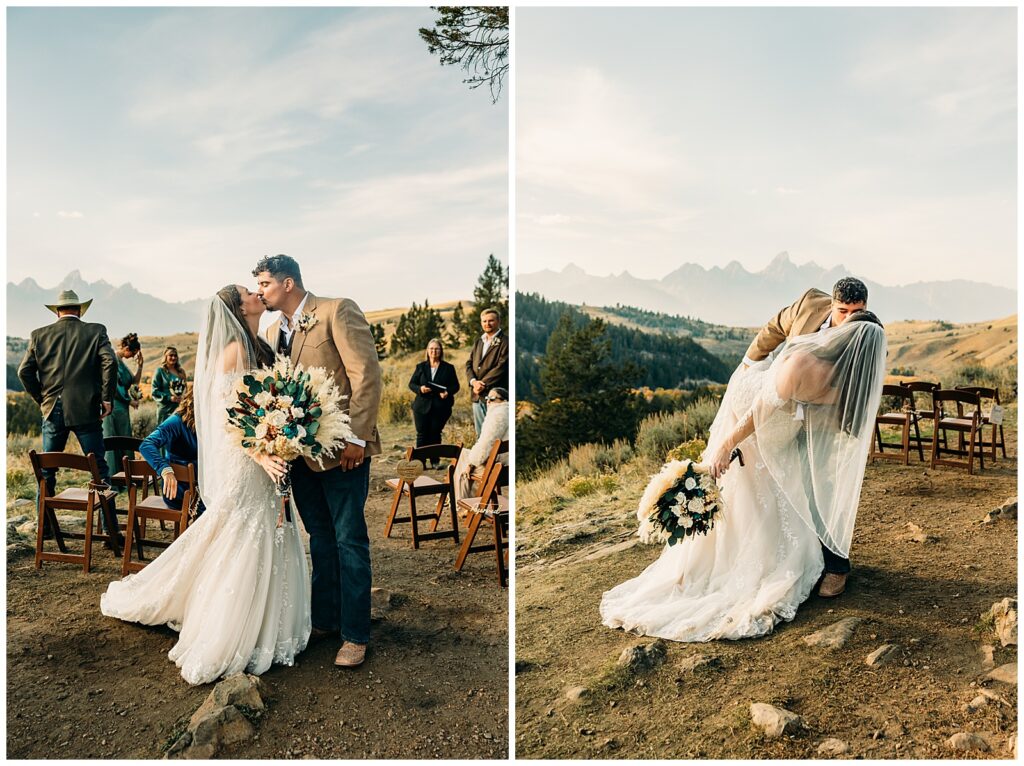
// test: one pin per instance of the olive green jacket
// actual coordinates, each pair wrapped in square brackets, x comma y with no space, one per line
[71,360]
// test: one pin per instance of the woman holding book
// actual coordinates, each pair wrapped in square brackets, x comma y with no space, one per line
[435,384]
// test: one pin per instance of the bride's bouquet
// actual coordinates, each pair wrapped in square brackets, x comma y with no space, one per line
[680,501]
[289,412]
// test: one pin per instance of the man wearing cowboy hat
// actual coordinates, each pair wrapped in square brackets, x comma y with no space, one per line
[71,371]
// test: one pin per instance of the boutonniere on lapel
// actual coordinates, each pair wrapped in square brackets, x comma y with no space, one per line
[496,341]
[305,322]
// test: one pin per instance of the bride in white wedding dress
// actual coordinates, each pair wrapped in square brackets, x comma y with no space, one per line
[804,424]
[235,585]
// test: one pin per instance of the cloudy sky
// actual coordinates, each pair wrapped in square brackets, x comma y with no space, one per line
[171,148]
[881,139]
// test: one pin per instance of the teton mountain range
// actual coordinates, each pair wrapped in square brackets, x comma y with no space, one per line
[737,297]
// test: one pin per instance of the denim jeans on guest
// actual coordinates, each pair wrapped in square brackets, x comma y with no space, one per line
[479,413]
[55,439]
[331,504]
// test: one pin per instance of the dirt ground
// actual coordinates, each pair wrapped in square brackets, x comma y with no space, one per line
[435,683]
[926,597]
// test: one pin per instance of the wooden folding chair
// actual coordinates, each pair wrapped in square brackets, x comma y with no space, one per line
[493,508]
[963,424]
[98,496]
[988,394]
[923,412]
[902,416]
[498,448]
[120,444]
[141,476]
[423,486]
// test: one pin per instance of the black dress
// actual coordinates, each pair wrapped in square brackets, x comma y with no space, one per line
[429,411]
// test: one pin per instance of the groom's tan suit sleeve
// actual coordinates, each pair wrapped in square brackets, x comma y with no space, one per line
[341,341]
[805,316]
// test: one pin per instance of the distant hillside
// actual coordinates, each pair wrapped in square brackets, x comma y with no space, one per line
[669,361]
[727,343]
[737,297]
[938,350]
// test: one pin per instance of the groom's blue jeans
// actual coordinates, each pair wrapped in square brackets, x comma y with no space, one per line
[331,504]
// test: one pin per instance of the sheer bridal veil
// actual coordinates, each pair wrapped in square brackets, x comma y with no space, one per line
[224,352]
[831,384]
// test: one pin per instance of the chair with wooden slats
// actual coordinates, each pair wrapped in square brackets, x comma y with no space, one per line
[96,498]
[426,486]
[902,416]
[965,424]
[998,439]
[492,507]
[141,476]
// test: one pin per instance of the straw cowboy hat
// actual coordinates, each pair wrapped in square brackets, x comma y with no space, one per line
[69,299]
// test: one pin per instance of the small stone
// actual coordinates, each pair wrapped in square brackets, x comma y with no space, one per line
[976,704]
[1009,509]
[1006,674]
[577,693]
[833,746]
[640,657]
[1004,619]
[834,636]
[967,742]
[698,662]
[916,534]
[380,603]
[883,655]
[774,721]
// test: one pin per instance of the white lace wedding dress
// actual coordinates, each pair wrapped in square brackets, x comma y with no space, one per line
[800,489]
[753,569]
[234,585]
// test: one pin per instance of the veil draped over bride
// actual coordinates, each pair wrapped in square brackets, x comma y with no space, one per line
[234,585]
[807,419]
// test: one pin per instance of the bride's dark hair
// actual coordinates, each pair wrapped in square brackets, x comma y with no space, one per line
[233,300]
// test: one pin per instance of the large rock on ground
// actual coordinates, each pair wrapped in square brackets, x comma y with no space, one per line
[219,721]
[774,721]
[967,742]
[1004,619]
[641,657]
[239,690]
[834,636]
[883,655]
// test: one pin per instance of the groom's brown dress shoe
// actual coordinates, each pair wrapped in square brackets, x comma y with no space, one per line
[832,585]
[350,655]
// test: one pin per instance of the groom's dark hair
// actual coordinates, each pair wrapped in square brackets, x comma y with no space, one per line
[850,290]
[280,267]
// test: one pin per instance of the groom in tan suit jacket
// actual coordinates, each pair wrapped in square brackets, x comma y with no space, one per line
[331,499]
[813,312]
